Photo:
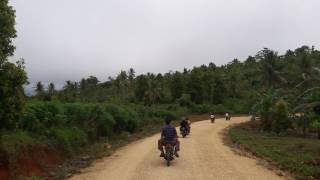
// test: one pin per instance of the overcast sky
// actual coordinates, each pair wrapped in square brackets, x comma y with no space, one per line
[71,39]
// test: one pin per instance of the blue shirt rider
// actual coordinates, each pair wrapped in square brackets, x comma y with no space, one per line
[169,135]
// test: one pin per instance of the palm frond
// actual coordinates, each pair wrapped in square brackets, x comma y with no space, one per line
[305,106]
[306,92]
[316,69]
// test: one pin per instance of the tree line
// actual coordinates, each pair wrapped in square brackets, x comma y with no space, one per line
[282,89]
[237,86]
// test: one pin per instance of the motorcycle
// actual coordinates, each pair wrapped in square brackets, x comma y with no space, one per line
[184,131]
[212,119]
[228,118]
[169,152]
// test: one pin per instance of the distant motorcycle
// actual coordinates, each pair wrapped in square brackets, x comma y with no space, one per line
[228,118]
[169,152]
[212,119]
[184,131]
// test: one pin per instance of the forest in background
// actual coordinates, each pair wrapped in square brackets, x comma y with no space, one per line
[281,90]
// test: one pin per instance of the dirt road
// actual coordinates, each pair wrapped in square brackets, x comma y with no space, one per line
[203,156]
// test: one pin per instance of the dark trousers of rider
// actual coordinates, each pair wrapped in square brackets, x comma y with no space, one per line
[188,127]
[162,143]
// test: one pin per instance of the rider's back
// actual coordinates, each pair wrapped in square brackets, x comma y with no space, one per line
[169,133]
[184,123]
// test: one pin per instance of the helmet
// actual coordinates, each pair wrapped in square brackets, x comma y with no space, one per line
[167,120]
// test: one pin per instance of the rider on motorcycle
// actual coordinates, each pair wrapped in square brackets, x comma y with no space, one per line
[169,135]
[212,117]
[227,116]
[189,125]
[184,123]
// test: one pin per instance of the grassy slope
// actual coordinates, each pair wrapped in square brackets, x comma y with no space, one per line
[296,154]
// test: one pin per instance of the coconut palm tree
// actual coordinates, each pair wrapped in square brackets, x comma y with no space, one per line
[51,89]
[153,92]
[39,89]
[268,66]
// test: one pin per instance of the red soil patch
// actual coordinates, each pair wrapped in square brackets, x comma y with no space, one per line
[4,167]
[35,161]
[4,172]
[27,166]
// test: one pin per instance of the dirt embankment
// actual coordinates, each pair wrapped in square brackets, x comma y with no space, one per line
[31,161]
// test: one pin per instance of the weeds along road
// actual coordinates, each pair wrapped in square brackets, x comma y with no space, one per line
[203,156]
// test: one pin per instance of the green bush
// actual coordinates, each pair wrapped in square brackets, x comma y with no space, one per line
[77,113]
[280,117]
[119,115]
[38,117]
[219,109]
[264,109]
[185,100]
[11,142]
[236,105]
[125,119]
[200,108]
[105,124]
[70,139]
[315,124]
[30,121]
[162,113]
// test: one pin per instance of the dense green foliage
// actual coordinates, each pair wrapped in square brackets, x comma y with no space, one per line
[71,126]
[12,76]
[274,87]
[7,30]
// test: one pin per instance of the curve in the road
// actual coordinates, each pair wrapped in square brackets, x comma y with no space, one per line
[203,156]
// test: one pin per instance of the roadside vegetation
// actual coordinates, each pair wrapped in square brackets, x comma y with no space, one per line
[292,152]
[57,124]
[285,119]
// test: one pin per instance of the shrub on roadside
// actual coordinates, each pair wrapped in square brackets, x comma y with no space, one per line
[162,113]
[120,115]
[104,125]
[315,124]
[39,116]
[69,139]
[11,142]
[185,100]
[264,109]
[280,116]
[236,105]
[219,109]
[200,108]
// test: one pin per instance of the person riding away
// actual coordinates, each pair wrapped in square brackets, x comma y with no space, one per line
[169,135]
[212,116]
[184,124]
[188,120]
[227,116]
[189,125]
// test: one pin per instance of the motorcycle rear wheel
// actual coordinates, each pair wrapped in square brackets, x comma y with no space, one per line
[168,162]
